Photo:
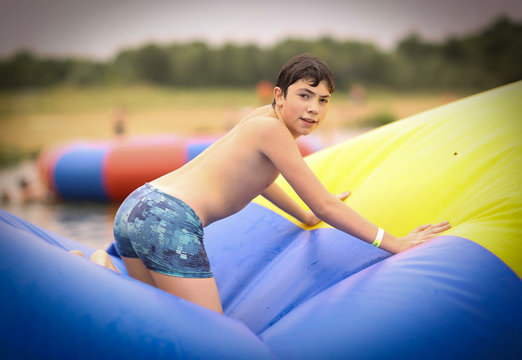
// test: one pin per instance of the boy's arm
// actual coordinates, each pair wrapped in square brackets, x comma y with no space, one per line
[279,146]
[279,198]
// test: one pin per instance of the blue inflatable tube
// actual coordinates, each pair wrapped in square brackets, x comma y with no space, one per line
[81,168]
[110,170]
[287,293]
[57,306]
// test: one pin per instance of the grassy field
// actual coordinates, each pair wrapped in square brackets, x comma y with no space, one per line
[33,119]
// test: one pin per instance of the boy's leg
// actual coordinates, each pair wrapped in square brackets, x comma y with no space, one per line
[137,270]
[202,291]
[134,266]
[99,257]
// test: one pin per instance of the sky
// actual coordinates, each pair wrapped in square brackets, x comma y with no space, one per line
[99,29]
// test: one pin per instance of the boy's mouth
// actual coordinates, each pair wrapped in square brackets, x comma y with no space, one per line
[308,120]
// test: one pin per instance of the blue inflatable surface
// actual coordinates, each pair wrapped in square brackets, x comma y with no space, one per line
[287,293]
[58,306]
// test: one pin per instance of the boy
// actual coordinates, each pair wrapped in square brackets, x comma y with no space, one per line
[159,227]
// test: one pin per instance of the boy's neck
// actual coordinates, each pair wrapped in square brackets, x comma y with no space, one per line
[279,116]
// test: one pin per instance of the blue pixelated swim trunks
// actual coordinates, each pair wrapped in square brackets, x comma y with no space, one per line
[163,231]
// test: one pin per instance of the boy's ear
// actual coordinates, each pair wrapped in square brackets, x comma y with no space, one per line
[278,95]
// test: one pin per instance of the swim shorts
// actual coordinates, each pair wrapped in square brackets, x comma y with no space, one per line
[163,231]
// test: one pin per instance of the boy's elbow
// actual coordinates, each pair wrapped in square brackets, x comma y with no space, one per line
[323,209]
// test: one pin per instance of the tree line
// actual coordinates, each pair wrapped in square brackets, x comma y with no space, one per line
[480,60]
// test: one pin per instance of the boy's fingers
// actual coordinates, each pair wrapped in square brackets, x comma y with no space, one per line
[441,226]
[422,228]
[344,195]
[438,228]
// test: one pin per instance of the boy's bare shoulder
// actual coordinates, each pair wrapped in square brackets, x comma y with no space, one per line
[267,129]
[262,120]
[260,111]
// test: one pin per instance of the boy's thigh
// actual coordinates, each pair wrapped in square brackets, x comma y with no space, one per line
[137,270]
[202,291]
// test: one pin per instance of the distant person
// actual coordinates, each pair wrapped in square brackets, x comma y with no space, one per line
[120,121]
[28,191]
[159,227]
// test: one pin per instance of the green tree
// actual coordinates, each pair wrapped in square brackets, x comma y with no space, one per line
[153,65]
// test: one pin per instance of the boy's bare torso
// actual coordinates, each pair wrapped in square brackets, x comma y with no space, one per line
[213,184]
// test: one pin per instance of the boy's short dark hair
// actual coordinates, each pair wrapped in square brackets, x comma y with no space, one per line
[305,67]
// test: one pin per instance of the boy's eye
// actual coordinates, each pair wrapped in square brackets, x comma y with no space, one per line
[304,96]
[324,101]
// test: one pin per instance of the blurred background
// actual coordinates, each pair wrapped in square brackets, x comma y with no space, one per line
[101,70]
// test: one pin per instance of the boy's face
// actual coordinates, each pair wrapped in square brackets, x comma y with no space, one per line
[304,107]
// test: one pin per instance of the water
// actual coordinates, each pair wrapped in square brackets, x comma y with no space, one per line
[89,223]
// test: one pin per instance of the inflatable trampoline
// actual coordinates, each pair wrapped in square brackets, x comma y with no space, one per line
[290,292]
[110,170]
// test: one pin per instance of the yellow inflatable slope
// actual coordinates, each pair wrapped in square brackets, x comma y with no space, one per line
[460,162]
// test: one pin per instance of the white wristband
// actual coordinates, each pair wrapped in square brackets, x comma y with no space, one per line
[378,238]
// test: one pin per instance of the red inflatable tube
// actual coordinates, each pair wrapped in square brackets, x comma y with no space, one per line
[129,164]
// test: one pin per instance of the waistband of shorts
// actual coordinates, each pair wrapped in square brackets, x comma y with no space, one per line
[175,199]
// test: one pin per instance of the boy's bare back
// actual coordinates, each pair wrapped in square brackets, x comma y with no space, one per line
[229,174]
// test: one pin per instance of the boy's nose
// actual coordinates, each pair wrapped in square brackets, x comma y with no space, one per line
[312,109]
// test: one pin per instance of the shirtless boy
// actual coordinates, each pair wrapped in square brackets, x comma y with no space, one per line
[159,227]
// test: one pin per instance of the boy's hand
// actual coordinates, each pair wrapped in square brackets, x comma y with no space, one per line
[312,220]
[418,236]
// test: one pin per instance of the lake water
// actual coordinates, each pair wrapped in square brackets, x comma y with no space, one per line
[89,223]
